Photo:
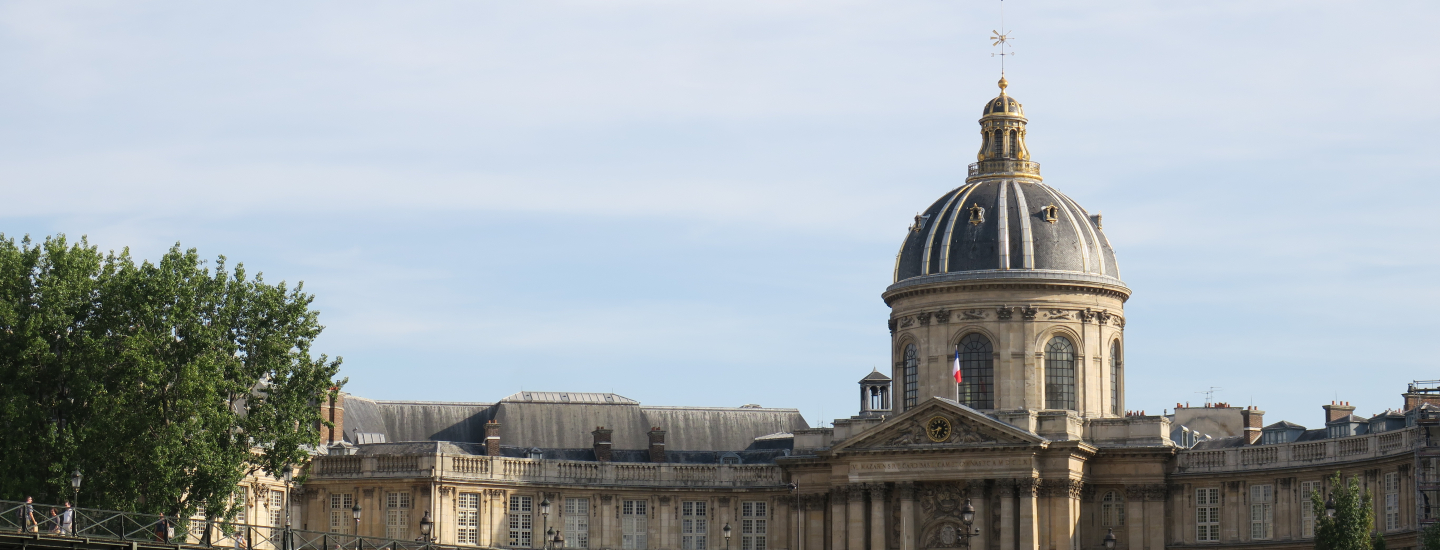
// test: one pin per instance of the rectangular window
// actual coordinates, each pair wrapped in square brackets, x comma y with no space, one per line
[1207,515]
[341,519]
[467,518]
[693,525]
[1262,512]
[520,509]
[277,513]
[1307,508]
[1392,501]
[753,528]
[577,523]
[397,516]
[633,524]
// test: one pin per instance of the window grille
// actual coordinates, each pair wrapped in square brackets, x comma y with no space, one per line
[1307,508]
[753,525]
[977,371]
[577,523]
[520,522]
[1112,510]
[397,516]
[633,524]
[1060,374]
[341,519]
[1262,512]
[911,375]
[1207,515]
[1392,501]
[1116,362]
[693,525]
[467,519]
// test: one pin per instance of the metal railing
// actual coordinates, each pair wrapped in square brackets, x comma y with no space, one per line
[90,524]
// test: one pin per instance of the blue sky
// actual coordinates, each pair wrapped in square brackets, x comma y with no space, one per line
[700,202]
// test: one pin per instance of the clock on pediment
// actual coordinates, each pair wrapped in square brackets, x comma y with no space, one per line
[938,429]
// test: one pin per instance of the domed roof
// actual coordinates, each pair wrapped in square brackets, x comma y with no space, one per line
[1006,228]
[1003,104]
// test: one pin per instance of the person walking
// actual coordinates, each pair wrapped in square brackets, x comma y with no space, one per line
[52,523]
[67,520]
[28,523]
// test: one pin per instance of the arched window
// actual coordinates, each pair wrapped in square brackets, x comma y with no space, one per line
[1115,364]
[912,368]
[1060,374]
[977,371]
[1112,510]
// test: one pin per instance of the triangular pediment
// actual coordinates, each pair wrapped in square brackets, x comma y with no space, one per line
[940,423]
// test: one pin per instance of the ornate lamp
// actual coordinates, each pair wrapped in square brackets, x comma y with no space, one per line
[1109,539]
[726,531]
[75,479]
[426,526]
[967,513]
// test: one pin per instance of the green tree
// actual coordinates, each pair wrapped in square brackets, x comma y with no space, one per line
[1430,537]
[1354,517]
[165,383]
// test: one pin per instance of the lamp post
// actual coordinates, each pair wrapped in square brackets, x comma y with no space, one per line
[545,514]
[75,479]
[355,513]
[426,526]
[967,516]
[726,531]
[558,541]
[1330,507]
[1109,539]
[289,478]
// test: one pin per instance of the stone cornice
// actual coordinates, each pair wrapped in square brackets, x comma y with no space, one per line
[913,287]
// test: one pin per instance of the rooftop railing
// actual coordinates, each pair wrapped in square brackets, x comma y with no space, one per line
[1005,167]
[485,468]
[94,525]
[1286,455]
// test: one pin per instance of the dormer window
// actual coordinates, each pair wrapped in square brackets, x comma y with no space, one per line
[730,458]
[1051,213]
[977,214]
[535,453]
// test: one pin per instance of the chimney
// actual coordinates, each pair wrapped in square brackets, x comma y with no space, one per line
[1254,420]
[492,438]
[602,443]
[334,412]
[657,445]
[1337,410]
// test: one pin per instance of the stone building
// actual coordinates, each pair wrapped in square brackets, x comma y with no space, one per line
[1001,426]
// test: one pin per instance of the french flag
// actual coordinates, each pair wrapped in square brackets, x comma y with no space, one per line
[956,370]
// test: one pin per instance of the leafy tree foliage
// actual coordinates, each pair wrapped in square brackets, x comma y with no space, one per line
[164,383]
[1430,537]
[1353,521]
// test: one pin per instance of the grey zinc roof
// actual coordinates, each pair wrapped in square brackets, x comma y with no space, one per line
[875,376]
[1285,424]
[541,422]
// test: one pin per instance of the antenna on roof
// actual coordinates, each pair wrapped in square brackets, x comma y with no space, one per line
[1210,394]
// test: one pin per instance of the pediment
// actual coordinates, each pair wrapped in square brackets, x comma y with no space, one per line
[940,423]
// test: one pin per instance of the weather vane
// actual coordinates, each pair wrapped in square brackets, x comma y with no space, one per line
[1001,39]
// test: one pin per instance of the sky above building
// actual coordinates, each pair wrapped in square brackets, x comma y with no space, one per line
[699,203]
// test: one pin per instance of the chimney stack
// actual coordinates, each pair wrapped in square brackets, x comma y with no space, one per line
[657,445]
[1337,410]
[334,412]
[603,445]
[492,438]
[1254,420]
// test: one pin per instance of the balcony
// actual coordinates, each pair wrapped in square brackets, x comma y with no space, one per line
[1004,167]
[1294,455]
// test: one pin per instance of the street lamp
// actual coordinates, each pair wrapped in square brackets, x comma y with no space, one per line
[967,516]
[726,531]
[558,540]
[75,479]
[289,477]
[425,527]
[1109,539]
[545,514]
[1330,507]
[355,513]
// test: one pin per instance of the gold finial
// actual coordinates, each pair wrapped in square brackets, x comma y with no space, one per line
[1003,84]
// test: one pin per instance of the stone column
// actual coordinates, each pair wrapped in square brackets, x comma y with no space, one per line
[1028,517]
[975,491]
[855,518]
[815,532]
[838,526]
[1155,514]
[1134,517]
[877,516]
[1006,488]
[906,491]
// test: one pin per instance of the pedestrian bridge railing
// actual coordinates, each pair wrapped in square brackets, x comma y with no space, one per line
[91,524]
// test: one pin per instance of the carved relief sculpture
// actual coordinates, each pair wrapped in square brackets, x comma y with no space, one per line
[1029,313]
[942,316]
[923,317]
[1004,312]
[974,314]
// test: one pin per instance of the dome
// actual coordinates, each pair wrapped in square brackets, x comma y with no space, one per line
[1006,228]
[1005,223]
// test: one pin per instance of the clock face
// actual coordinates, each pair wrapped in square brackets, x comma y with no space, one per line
[938,428]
